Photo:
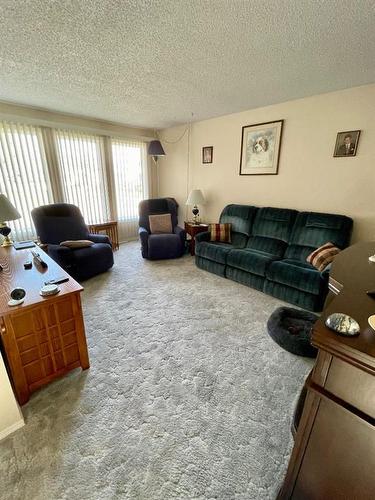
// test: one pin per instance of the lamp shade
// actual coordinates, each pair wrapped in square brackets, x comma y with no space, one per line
[195,198]
[155,149]
[7,210]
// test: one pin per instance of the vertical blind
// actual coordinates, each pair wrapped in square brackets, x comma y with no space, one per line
[24,177]
[130,183]
[83,174]
[105,177]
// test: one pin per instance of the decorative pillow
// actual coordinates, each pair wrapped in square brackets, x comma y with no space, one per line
[221,232]
[76,243]
[323,256]
[160,224]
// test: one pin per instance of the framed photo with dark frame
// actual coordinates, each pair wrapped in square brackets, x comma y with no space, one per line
[260,148]
[346,144]
[207,154]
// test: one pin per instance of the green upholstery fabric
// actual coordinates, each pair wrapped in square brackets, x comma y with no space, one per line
[297,274]
[241,217]
[305,300]
[209,265]
[250,261]
[202,237]
[245,278]
[312,229]
[215,251]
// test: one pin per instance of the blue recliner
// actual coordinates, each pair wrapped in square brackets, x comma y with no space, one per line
[160,246]
[62,221]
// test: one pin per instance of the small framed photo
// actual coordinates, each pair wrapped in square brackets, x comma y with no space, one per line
[346,143]
[260,148]
[207,154]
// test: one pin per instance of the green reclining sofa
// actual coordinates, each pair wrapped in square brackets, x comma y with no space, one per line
[268,251]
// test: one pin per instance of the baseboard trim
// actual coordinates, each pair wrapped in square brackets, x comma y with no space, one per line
[17,425]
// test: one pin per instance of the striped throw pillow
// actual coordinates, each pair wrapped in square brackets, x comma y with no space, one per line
[322,256]
[221,232]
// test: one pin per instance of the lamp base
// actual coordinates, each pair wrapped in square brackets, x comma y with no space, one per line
[195,215]
[5,231]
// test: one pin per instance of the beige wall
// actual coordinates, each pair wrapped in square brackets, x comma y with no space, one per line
[10,414]
[309,177]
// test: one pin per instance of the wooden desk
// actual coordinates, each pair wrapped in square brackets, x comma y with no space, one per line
[192,230]
[110,229]
[334,452]
[44,337]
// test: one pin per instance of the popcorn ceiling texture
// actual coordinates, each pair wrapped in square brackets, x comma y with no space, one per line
[187,397]
[155,62]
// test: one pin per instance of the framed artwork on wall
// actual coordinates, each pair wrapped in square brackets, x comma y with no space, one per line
[346,143]
[260,148]
[207,154]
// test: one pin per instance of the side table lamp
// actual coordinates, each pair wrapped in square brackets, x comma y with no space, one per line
[195,198]
[7,212]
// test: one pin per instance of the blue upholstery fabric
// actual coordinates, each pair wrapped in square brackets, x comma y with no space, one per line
[251,261]
[62,221]
[312,229]
[160,246]
[245,278]
[215,251]
[297,274]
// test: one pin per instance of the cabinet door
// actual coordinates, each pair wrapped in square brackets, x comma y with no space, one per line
[339,461]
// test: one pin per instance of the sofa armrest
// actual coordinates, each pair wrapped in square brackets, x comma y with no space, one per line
[99,238]
[64,256]
[206,236]
[143,235]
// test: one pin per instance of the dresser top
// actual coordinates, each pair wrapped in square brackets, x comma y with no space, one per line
[31,280]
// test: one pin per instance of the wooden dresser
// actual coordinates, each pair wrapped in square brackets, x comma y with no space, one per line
[334,452]
[43,338]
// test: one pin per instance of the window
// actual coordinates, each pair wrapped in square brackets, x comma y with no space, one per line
[130,183]
[24,174]
[83,174]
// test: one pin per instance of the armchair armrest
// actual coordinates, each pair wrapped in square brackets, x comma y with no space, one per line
[206,236]
[143,235]
[180,232]
[99,238]
[64,256]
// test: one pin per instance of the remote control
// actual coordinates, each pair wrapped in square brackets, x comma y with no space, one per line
[39,260]
[57,281]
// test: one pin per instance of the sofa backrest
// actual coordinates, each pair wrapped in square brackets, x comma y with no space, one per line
[271,230]
[313,229]
[157,206]
[241,217]
[59,222]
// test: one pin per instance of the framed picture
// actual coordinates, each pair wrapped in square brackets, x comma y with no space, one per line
[346,143]
[207,154]
[260,148]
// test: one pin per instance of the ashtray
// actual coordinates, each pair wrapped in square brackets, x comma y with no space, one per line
[343,324]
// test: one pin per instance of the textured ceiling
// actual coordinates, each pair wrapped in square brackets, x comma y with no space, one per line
[155,62]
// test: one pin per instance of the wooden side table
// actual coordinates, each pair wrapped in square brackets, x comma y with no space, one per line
[192,230]
[109,228]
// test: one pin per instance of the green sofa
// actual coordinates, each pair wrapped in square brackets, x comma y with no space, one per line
[269,248]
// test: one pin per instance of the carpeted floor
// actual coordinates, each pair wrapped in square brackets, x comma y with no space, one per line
[187,397]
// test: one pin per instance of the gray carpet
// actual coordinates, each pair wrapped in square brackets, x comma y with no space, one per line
[187,397]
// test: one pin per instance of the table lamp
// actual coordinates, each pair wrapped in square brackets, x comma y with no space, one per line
[195,198]
[7,212]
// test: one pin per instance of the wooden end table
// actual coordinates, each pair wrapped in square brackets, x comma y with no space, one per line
[109,228]
[192,230]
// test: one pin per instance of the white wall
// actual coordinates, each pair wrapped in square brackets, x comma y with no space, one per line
[10,415]
[309,177]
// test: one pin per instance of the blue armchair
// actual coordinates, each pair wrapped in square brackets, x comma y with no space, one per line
[61,222]
[160,246]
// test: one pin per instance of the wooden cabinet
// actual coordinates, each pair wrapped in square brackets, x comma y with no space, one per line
[44,337]
[334,451]
[192,230]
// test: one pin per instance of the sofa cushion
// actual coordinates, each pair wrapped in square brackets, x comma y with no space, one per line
[271,230]
[297,274]
[313,229]
[241,218]
[164,246]
[323,256]
[251,261]
[215,251]
[160,223]
[220,232]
